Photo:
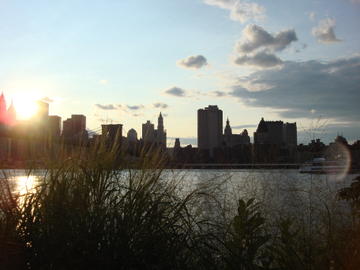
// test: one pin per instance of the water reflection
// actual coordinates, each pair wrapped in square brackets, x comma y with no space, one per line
[25,184]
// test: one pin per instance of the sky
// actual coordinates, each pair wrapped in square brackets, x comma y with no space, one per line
[124,61]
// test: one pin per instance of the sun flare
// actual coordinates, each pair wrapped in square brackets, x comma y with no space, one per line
[25,107]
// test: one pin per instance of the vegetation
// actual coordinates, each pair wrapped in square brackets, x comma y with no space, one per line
[90,211]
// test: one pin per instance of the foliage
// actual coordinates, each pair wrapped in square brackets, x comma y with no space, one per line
[94,209]
[248,237]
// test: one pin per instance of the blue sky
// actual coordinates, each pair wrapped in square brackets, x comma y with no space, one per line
[115,61]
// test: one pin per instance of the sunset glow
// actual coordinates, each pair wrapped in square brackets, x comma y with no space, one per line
[25,105]
[25,109]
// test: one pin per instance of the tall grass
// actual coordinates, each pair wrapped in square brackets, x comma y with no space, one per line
[95,208]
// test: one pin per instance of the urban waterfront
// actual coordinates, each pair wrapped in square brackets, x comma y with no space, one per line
[279,189]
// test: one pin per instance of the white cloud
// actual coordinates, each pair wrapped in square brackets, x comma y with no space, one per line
[324,31]
[255,37]
[194,62]
[257,47]
[160,105]
[260,60]
[107,107]
[240,10]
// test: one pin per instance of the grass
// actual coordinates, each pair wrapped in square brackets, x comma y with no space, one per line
[90,210]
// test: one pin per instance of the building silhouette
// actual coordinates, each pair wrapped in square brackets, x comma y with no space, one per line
[276,132]
[11,115]
[74,128]
[132,135]
[150,135]
[231,140]
[42,113]
[275,141]
[148,132]
[7,115]
[54,126]
[112,134]
[210,125]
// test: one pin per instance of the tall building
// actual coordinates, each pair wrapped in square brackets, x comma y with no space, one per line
[11,114]
[3,112]
[7,115]
[42,111]
[148,132]
[152,135]
[276,132]
[160,133]
[210,125]
[231,139]
[74,128]
[54,126]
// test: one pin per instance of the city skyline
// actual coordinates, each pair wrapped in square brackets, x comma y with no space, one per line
[124,62]
[206,126]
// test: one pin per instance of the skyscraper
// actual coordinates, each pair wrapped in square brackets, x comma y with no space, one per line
[42,111]
[3,112]
[210,125]
[152,135]
[54,126]
[148,132]
[74,128]
[160,133]
[11,114]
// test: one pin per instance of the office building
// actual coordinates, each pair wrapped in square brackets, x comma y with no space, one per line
[54,126]
[231,140]
[276,133]
[210,125]
[150,135]
[74,128]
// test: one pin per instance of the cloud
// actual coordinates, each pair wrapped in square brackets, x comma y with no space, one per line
[257,47]
[219,93]
[107,107]
[194,62]
[255,37]
[47,100]
[324,31]
[306,89]
[240,10]
[176,91]
[135,107]
[160,105]
[261,60]
[243,126]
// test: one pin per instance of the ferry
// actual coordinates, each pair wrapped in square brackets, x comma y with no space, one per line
[323,166]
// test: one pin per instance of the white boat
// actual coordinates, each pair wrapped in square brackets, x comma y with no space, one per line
[321,165]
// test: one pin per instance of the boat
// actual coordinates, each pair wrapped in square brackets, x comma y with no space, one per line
[323,166]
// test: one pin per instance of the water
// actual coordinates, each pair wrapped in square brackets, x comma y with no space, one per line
[281,192]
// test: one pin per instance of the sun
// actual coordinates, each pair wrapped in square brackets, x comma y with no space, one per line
[25,106]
